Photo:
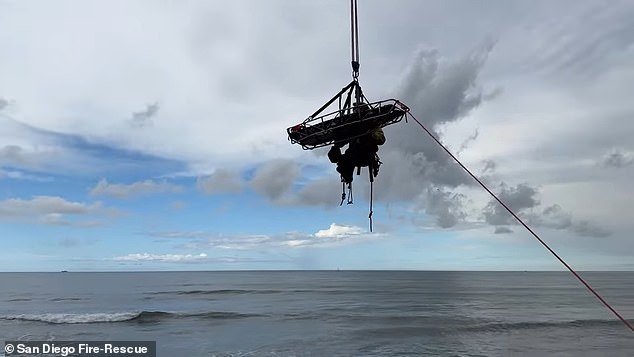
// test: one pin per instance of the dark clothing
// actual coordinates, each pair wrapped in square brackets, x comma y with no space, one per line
[362,151]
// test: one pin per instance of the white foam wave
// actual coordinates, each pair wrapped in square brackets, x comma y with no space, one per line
[75,318]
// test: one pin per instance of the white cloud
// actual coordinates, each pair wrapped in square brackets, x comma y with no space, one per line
[339,231]
[104,188]
[202,81]
[334,235]
[19,175]
[237,242]
[165,258]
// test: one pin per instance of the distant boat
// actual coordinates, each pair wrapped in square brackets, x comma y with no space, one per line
[64,271]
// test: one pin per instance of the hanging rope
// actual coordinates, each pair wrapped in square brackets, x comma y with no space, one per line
[371,194]
[354,42]
[627,323]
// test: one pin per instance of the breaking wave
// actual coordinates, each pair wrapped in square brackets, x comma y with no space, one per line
[139,317]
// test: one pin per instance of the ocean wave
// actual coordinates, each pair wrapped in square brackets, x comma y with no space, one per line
[526,325]
[260,291]
[51,299]
[427,329]
[66,299]
[57,318]
[138,317]
[215,292]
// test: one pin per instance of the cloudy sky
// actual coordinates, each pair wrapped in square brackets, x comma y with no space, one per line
[151,134]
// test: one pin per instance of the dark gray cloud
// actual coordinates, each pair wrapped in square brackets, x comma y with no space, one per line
[493,94]
[502,230]
[522,200]
[53,210]
[586,228]
[325,191]
[437,92]
[45,205]
[555,217]
[105,188]
[617,158]
[440,92]
[12,154]
[144,118]
[3,103]
[221,181]
[274,178]
[446,207]
[518,199]
[402,176]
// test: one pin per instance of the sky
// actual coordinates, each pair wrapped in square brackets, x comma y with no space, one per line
[151,135]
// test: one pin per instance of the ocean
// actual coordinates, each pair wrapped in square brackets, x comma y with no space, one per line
[325,313]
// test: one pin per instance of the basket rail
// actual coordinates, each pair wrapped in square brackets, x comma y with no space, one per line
[341,126]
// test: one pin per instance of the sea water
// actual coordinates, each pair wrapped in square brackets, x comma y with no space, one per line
[325,313]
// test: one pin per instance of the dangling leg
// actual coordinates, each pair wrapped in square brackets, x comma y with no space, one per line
[345,168]
[334,154]
[343,193]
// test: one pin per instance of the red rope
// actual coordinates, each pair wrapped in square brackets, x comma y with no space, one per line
[627,323]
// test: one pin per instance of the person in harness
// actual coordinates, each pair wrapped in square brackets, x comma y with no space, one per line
[362,152]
